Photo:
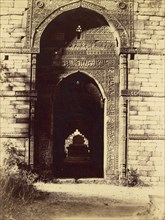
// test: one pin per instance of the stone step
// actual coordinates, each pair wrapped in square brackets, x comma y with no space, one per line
[81,180]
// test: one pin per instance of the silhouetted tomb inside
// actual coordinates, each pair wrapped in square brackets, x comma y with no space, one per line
[78,148]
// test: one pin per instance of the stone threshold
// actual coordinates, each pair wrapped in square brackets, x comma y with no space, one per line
[81,180]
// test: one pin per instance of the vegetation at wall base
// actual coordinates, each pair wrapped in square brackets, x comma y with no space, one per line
[130,179]
[16,183]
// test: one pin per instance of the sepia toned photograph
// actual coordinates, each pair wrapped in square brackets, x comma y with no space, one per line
[82,94]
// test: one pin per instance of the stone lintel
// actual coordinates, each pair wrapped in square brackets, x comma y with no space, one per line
[138,93]
[32,94]
[13,135]
[146,137]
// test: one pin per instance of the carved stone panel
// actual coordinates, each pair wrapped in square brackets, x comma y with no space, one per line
[94,54]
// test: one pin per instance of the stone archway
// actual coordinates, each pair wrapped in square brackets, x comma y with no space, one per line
[118,30]
[78,105]
[62,53]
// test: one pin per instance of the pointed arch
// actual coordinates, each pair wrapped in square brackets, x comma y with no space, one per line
[105,118]
[118,30]
[79,105]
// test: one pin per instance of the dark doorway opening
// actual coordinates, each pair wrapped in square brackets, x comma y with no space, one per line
[69,103]
[78,105]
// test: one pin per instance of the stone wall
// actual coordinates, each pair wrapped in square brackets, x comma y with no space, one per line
[15,77]
[146,78]
[14,100]
[145,84]
[13,21]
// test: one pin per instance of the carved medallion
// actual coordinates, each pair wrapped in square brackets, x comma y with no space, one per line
[122,5]
[40,4]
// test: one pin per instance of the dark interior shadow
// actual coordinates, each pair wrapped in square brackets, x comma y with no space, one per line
[75,102]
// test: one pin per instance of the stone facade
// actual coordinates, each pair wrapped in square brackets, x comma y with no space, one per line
[138,124]
[146,109]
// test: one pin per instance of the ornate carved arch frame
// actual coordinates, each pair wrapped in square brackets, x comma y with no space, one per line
[120,20]
[121,32]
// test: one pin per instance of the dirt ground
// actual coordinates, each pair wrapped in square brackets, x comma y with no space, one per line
[89,201]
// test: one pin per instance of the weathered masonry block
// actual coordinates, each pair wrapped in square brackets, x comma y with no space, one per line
[115,54]
[147,157]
